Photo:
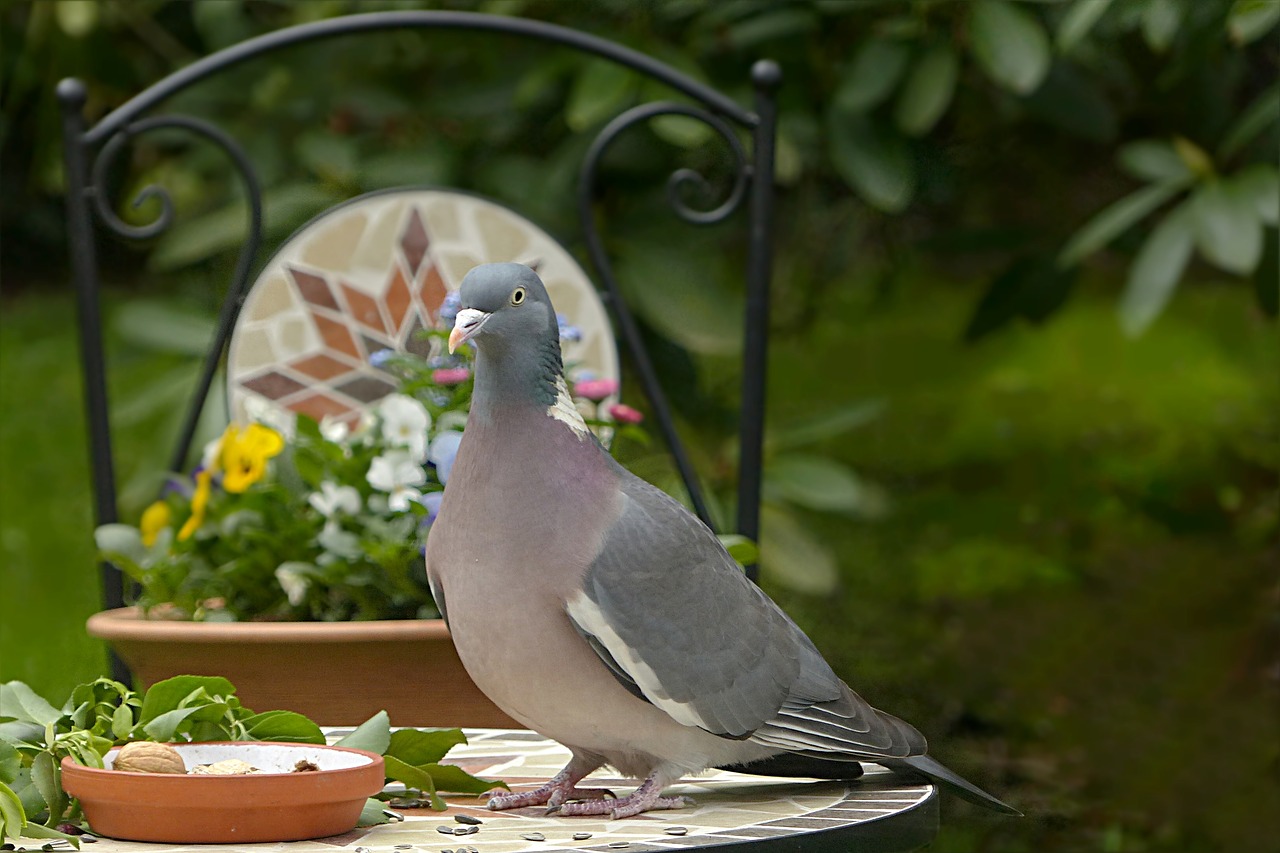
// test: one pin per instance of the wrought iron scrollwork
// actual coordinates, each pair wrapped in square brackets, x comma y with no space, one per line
[248,250]
[675,190]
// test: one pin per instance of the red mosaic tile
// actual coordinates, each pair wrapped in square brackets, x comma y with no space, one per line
[321,366]
[414,241]
[336,336]
[314,289]
[363,308]
[432,291]
[397,298]
[272,385]
[318,405]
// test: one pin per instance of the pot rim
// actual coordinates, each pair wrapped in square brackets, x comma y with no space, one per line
[126,623]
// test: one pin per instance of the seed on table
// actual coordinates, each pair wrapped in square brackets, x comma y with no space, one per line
[533,836]
[466,830]
[445,830]
[676,830]
[581,836]
[619,844]
[468,819]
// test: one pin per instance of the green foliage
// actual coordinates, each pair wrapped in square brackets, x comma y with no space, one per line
[35,737]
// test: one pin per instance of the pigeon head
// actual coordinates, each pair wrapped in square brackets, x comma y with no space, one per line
[507,315]
[504,306]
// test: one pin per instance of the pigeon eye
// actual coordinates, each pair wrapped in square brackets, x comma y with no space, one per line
[517,296]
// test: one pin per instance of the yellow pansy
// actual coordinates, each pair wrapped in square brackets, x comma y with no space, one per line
[199,502]
[244,454]
[154,519]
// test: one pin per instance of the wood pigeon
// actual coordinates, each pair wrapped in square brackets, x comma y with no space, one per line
[597,611]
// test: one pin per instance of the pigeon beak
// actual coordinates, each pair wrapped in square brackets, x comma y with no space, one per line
[465,326]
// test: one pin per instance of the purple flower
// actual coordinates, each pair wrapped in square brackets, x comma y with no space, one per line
[444,449]
[381,357]
[568,331]
[450,375]
[431,500]
[449,308]
[624,414]
[595,389]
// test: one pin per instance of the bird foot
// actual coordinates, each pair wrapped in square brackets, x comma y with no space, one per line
[553,795]
[643,799]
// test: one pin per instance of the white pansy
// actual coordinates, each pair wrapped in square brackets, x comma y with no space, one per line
[334,430]
[333,499]
[405,422]
[397,472]
[264,412]
[293,581]
[451,419]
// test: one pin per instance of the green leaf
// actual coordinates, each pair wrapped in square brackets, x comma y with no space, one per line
[684,131]
[122,722]
[928,91]
[373,735]
[19,702]
[824,425]
[10,762]
[1010,45]
[743,550]
[1078,21]
[413,777]
[1250,20]
[163,327]
[1160,22]
[1156,270]
[35,830]
[1260,184]
[168,695]
[1153,160]
[374,813]
[1032,287]
[600,90]
[817,482]
[287,726]
[770,26]
[1228,229]
[872,75]
[423,746]
[874,160]
[327,155]
[12,816]
[44,775]
[791,556]
[164,726]
[455,780]
[1115,219]
[120,541]
[76,18]
[682,293]
[1263,112]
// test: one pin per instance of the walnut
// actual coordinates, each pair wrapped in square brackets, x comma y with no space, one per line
[145,757]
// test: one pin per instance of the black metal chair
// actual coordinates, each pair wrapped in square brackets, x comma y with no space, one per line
[90,151]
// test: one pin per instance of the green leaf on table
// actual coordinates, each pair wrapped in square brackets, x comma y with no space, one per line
[373,735]
[792,556]
[170,694]
[1010,45]
[1227,227]
[872,75]
[821,483]
[1156,270]
[874,160]
[413,777]
[455,780]
[10,762]
[12,816]
[1160,22]
[1115,219]
[1078,21]
[1250,20]
[600,90]
[1153,160]
[423,746]
[374,813]
[286,726]
[19,702]
[928,91]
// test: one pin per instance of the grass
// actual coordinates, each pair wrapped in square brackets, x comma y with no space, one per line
[1074,595]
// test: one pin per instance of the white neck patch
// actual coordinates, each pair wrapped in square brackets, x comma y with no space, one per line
[565,411]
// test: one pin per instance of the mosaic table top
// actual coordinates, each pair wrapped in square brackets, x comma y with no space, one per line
[731,812]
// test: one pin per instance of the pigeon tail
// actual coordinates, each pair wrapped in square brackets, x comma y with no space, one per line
[959,786]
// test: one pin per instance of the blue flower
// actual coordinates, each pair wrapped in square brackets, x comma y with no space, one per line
[431,500]
[444,449]
[568,331]
[379,358]
[449,308]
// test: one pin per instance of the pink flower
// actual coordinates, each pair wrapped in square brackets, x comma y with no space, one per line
[450,375]
[595,389]
[624,414]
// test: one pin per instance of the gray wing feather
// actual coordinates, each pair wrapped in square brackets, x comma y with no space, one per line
[691,634]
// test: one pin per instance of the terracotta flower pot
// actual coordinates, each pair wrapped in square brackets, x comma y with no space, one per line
[336,673]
